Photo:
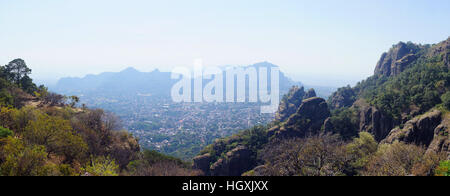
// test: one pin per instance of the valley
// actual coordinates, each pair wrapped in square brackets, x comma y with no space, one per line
[142,102]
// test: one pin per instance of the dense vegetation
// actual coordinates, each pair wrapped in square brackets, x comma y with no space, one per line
[414,91]
[153,163]
[253,139]
[420,87]
[43,133]
[419,84]
[328,155]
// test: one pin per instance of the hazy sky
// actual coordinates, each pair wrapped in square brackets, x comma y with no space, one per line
[319,42]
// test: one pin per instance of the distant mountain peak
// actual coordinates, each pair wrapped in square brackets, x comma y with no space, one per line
[130,70]
[264,64]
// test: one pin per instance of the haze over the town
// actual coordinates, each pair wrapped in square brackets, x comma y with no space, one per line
[326,43]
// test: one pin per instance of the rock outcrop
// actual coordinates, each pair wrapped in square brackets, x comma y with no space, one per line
[430,130]
[441,50]
[397,59]
[290,103]
[308,119]
[202,163]
[343,97]
[373,120]
[236,162]
[441,140]
[310,94]
[419,131]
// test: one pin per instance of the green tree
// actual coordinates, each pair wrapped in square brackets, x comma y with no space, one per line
[41,92]
[74,100]
[16,70]
[17,159]
[443,169]
[57,135]
[2,72]
[26,83]
[359,152]
[6,99]
[446,100]
[4,132]
[345,122]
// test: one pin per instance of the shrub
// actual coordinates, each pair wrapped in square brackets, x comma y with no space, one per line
[102,166]
[443,169]
[400,159]
[4,132]
[321,155]
[446,100]
[359,152]
[18,159]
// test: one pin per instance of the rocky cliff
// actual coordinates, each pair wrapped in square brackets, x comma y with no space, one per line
[429,130]
[421,71]
[343,97]
[373,120]
[290,103]
[397,59]
[226,160]
[310,94]
[441,50]
[236,162]
[308,119]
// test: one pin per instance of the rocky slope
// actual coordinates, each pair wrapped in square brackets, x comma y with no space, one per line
[308,120]
[364,108]
[429,130]
[290,103]
[397,59]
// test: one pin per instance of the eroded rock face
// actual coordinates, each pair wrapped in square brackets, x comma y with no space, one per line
[202,163]
[373,121]
[344,97]
[290,103]
[397,59]
[430,130]
[234,163]
[419,131]
[308,119]
[310,94]
[328,126]
[443,50]
[441,140]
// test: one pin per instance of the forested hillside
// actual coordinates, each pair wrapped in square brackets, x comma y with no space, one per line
[44,133]
[394,123]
